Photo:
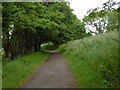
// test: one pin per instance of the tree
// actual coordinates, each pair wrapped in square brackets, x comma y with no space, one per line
[113,21]
[26,25]
[100,18]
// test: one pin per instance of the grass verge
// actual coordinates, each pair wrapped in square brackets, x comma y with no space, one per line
[16,71]
[94,60]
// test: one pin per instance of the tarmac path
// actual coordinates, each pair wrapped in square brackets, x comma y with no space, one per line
[54,73]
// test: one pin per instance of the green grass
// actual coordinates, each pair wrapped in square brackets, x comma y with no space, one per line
[94,60]
[18,70]
[48,46]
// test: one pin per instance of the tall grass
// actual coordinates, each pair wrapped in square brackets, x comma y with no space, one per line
[94,60]
[16,71]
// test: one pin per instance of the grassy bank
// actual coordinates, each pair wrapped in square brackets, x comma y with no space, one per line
[18,70]
[94,60]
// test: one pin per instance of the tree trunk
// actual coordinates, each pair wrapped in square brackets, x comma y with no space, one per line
[6,44]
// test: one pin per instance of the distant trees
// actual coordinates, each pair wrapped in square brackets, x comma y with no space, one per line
[26,25]
[102,19]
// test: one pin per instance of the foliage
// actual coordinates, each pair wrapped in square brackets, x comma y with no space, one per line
[113,21]
[94,60]
[102,19]
[26,25]
[45,47]
[19,69]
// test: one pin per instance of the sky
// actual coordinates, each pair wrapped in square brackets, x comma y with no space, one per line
[80,7]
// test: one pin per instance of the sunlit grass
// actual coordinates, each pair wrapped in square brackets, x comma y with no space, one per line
[94,60]
[16,71]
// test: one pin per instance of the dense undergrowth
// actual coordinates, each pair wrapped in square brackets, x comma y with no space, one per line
[18,70]
[94,60]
